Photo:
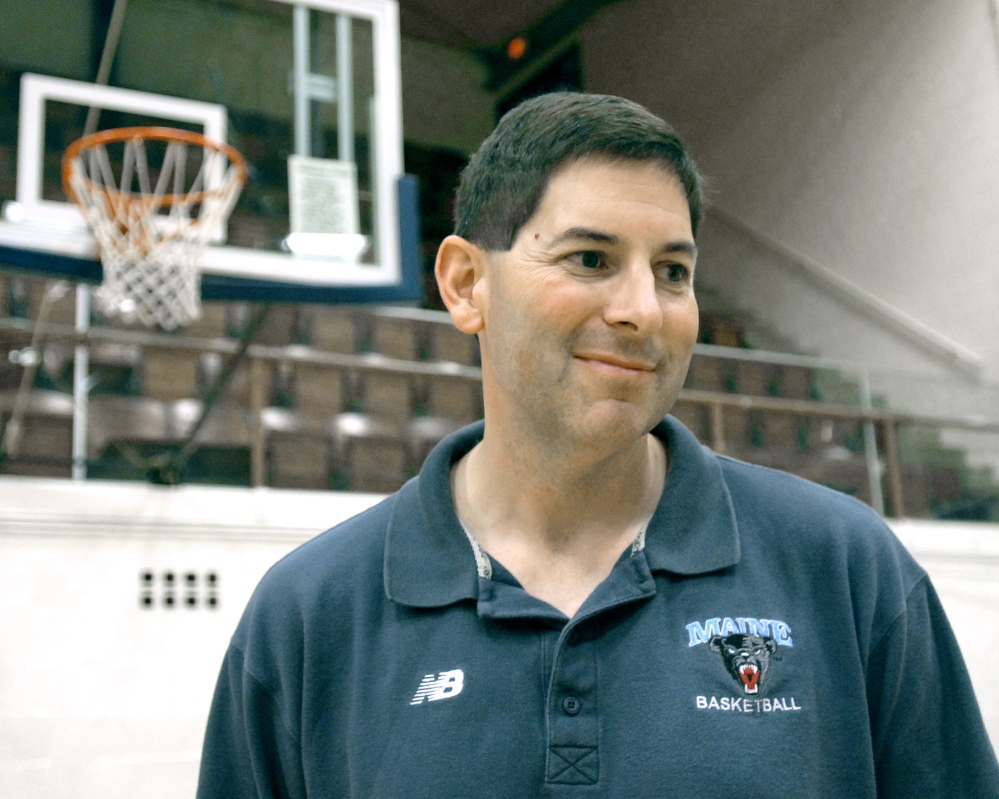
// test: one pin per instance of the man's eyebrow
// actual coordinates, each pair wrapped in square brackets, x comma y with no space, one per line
[687,247]
[588,234]
[585,234]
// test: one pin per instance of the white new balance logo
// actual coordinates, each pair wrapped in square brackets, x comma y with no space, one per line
[440,686]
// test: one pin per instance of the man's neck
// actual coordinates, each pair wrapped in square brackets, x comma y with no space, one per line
[558,525]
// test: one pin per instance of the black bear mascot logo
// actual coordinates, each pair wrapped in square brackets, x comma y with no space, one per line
[747,657]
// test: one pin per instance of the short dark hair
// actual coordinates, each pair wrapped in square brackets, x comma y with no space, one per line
[507,176]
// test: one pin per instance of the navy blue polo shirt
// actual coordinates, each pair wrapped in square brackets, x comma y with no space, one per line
[769,638]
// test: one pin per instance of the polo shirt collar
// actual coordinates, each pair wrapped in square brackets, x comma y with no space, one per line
[694,529]
[429,561]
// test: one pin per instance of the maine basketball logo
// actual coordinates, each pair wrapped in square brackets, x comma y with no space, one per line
[747,649]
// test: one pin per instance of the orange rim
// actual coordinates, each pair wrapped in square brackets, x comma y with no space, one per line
[151,133]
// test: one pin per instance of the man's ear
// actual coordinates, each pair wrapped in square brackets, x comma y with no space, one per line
[459,270]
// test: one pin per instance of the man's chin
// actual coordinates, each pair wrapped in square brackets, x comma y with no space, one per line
[615,420]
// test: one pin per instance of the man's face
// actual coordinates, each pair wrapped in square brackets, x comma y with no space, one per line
[589,320]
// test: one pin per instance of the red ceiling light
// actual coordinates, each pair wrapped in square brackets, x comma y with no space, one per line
[516,48]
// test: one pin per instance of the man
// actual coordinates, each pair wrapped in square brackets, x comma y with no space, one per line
[576,598]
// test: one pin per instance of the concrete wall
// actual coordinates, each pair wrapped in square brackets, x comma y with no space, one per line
[443,103]
[862,134]
[104,698]
[101,697]
[241,57]
[53,37]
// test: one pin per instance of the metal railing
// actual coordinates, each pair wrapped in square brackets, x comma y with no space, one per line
[881,312]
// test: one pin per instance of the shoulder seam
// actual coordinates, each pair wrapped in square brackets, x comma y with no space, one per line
[905,606]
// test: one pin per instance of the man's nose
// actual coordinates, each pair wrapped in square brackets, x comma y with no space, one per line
[633,301]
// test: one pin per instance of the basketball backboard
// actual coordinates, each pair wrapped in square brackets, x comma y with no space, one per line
[308,91]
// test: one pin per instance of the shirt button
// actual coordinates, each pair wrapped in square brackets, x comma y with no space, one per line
[571,705]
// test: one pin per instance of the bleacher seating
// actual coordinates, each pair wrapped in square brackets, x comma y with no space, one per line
[364,429]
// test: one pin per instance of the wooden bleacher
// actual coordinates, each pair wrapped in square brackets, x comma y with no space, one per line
[366,428]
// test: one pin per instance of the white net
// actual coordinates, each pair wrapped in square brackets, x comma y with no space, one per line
[152,224]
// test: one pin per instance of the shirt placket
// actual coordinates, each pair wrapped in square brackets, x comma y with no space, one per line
[573,756]
[572,712]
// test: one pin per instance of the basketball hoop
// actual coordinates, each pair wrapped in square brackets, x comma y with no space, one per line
[152,225]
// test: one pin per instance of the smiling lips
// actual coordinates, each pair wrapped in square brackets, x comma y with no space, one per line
[616,365]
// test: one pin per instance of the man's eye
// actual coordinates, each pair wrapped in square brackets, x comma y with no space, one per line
[676,273]
[590,259]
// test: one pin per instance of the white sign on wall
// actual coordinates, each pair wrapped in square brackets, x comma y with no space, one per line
[322,194]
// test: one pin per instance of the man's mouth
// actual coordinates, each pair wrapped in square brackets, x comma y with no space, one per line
[616,364]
